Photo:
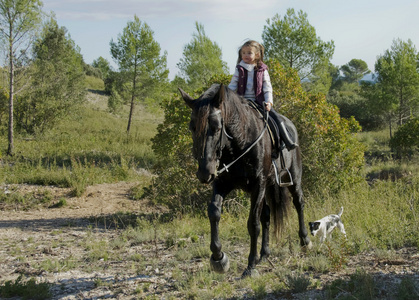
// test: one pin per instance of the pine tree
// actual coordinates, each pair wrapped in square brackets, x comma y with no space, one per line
[201,60]
[57,81]
[18,20]
[140,64]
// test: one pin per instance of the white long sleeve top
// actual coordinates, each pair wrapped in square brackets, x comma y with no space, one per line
[250,92]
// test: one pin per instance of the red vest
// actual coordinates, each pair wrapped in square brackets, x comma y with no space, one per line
[257,82]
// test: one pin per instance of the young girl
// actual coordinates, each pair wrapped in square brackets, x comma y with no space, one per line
[251,80]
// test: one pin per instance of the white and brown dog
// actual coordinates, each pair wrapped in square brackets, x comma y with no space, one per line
[325,226]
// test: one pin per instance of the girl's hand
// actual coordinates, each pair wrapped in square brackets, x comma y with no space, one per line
[268,106]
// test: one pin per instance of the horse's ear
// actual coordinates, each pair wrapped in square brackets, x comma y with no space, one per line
[220,97]
[188,99]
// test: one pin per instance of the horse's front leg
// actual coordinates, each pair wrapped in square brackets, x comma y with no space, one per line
[253,226]
[219,260]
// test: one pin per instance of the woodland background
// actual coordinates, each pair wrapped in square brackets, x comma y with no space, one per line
[359,128]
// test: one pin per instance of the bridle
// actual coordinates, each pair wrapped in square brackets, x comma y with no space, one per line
[220,141]
[222,144]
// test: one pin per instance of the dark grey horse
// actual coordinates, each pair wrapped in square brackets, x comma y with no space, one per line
[224,127]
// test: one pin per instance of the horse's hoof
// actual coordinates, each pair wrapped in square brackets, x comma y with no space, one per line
[220,266]
[263,258]
[308,246]
[253,273]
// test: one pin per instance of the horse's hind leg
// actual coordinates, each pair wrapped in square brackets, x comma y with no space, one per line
[265,219]
[297,197]
[254,228]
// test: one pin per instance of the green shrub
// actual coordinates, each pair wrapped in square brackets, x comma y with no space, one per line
[26,289]
[4,108]
[95,83]
[298,283]
[332,156]
[56,80]
[18,201]
[114,101]
[406,139]
[338,255]
[408,289]
[259,287]
[361,286]
[61,203]
[351,103]
[318,263]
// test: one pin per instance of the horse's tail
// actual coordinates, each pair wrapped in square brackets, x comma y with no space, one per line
[279,206]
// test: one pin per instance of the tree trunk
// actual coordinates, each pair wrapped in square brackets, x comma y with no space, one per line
[130,114]
[401,106]
[11,91]
[391,134]
[134,86]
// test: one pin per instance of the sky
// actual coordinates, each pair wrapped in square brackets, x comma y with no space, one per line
[361,29]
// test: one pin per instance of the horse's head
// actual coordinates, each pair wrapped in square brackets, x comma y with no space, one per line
[206,126]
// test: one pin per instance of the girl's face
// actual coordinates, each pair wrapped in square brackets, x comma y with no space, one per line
[249,55]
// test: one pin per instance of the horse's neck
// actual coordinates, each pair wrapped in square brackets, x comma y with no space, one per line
[242,123]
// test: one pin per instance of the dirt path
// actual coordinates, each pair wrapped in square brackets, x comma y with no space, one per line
[98,199]
[63,247]
[39,238]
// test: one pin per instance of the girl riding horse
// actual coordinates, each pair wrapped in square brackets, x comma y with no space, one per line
[251,80]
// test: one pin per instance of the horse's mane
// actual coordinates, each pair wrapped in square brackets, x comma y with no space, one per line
[237,113]
[234,112]
[202,110]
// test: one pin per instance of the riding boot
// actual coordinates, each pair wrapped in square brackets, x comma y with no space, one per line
[286,137]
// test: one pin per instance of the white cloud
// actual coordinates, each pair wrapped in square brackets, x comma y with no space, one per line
[196,9]
[361,29]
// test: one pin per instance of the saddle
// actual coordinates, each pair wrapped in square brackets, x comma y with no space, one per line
[273,130]
[283,176]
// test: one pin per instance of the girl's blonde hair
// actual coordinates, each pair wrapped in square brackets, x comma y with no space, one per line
[255,45]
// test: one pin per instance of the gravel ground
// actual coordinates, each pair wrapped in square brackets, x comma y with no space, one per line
[60,240]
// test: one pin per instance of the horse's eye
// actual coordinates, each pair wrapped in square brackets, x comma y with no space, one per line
[216,127]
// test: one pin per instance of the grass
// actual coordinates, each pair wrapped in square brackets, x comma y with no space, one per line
[93,147]
[179,249]
[188,239]
[11,199]
[59,265]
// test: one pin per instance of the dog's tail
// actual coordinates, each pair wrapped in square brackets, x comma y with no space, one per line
[341,211]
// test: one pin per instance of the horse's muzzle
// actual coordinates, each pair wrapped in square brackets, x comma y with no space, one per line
[206,172]
[208,178]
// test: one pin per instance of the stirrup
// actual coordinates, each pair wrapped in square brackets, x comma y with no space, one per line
[285,173]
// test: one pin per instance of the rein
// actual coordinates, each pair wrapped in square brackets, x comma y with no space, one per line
[225,168]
